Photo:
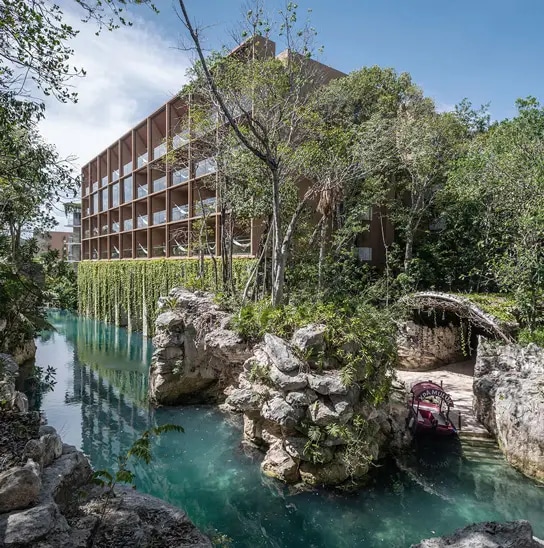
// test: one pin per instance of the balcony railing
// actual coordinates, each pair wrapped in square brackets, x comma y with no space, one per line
[127,189]
[142,160]
[159,217]
[141,251]
[115,175]
[205,167]
[127,224]
[180,176]
[159,250]
[142,221]
[127,252]
[205,207]
[179,250]
[104,255]
[115,252]
[104,180]
[142,190]
[159,184]
[127,168]
[95,186]
[179,213]
[159,150]
[180,139]
[94,254]
[115,226]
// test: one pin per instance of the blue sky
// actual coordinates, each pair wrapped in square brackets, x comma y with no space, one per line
[488,51]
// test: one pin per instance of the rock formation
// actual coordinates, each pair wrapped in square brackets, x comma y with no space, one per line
[313,428]
[196,356]
[509,401]
[47,499]
[515,534]
[421,348]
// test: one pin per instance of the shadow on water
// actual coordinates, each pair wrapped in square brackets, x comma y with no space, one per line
[98,404]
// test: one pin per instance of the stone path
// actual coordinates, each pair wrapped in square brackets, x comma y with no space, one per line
[457,381]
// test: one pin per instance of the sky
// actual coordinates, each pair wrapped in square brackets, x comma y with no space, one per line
[489,51]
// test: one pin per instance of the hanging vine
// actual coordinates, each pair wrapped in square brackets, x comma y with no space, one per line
[128,290]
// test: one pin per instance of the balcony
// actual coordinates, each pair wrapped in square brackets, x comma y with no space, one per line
[205,167]
[127,253]
[179,213]
[104,229]
[87,233]
[95,186]
[104,254]
[127,224]
[179,250]
[159,151]
[205,207]
[241,246]
[115,175]
[95,231]
[180,139]
[159,184]
[104,180]
[115,226]
[142,190]
[127,168]
[159,251]
[142,221]
[115,252]
[94,254]
[159,217]
[180,176]
[141,251]
[142,160]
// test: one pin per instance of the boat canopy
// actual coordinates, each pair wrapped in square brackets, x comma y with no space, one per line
[427,389]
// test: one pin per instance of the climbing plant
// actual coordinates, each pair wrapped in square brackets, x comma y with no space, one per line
[127,292]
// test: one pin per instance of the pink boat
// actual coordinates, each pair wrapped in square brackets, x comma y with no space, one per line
[428,412]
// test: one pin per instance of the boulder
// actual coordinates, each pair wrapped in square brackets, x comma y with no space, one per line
[52,448]
[288,381]
[196,356]
[279,464]
[243,399]
[322,412]
[509,402]
[332,473]
[280,354]
[279,411]
[19,486]
[301,398]
[310,339]
[327,383]
[515,534]
[295,446]
[34,449]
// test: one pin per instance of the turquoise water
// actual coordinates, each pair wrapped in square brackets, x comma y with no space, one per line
[98,404]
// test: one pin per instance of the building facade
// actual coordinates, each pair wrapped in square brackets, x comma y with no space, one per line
[151,194]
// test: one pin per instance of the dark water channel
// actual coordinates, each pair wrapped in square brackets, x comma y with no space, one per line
[98,404]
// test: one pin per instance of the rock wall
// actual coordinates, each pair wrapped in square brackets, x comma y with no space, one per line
[196,356]
[509,401]
[289,407]
[488,534]
[47,499]
[422,348]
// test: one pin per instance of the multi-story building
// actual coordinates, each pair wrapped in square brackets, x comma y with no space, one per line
[73,243]
[139,204]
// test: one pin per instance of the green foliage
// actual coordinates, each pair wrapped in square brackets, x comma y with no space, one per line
[502,307]
[260,373]
[535,336]
[359,337]
[60,281]
[128,290]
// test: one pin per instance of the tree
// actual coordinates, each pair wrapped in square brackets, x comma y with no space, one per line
[34,37]
[262,100]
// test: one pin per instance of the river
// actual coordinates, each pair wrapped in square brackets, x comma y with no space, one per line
[98,404]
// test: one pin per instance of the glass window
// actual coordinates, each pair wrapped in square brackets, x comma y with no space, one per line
[115,195]
[94,208]
[127,189]
[364,253]
[105,204]
[127,168]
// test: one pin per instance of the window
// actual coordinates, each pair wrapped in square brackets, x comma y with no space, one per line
[115,195]
[180,176]
[127,189]
[104,194]
[364,253]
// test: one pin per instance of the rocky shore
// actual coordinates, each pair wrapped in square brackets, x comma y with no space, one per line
[509,402]
[48,498]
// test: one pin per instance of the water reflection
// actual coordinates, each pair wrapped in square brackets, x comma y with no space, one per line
[99,405]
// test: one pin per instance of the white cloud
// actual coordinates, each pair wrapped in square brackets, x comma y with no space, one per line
[130,72]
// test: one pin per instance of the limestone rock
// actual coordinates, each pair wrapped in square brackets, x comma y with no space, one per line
[295,447]
[46,429]
[280,354]
[286,381]
[279,464]
[423,348]
[301,398]
[168,320]
[19,487]
[515,534]
[34,449]
[323,413]
[327,383]
[309,339]
[509,401]
[332,473]
[243,399]
[279,411]
[52,448]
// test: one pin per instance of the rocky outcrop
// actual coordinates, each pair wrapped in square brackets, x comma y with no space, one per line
[515,534]
[509,401]
[303,418]
[9,396]
[196,355]
[422,348]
